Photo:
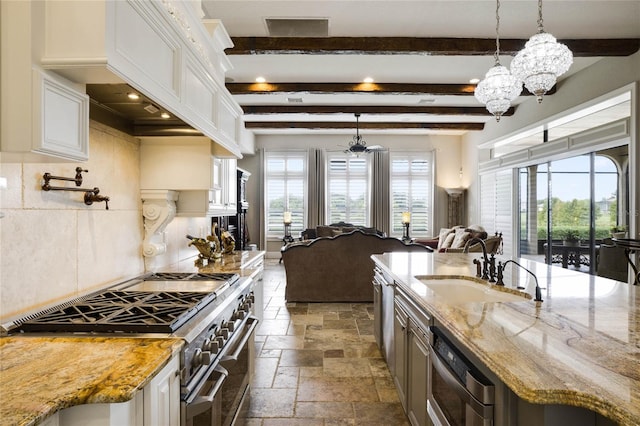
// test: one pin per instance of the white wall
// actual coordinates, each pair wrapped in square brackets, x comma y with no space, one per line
[53,246]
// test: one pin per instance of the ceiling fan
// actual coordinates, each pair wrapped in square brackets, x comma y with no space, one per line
[358,146]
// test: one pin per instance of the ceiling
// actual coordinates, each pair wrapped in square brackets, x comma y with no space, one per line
[421,55]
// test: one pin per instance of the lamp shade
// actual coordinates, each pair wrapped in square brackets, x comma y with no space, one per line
[541,61]
[406,217]
[497,90]
[287,217]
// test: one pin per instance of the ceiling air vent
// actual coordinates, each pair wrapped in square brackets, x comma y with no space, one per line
[294,100]
[297,27]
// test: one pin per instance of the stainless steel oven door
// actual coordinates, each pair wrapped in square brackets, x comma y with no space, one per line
[218,399]
[203,408]
[239,364]
[450,402]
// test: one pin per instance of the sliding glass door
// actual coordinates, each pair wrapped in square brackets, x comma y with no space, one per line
[569,206]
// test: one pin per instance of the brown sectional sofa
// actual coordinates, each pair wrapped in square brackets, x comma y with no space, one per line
[336,269]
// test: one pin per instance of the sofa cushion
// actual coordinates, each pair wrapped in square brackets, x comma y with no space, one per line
[461,236]
[446,242]
[442,236]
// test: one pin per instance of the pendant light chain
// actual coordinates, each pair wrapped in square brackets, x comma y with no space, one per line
[540,26]
[497,54]
[541,61]
[499,87]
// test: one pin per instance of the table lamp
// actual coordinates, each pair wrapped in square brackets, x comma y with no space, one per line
[406,220]
[287,225]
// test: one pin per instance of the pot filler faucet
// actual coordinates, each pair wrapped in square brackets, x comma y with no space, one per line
[486,268]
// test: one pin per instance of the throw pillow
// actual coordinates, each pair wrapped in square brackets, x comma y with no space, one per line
[442,236]
[460,238]
[447,241]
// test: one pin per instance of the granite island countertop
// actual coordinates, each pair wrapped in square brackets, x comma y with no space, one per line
[42,375]
[579,347]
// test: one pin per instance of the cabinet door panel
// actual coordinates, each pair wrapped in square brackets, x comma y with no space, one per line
[199,96]
[417,377]
[400,324]
[60,118]
[143,48]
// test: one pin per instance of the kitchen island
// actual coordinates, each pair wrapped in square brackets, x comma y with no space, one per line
[579,347]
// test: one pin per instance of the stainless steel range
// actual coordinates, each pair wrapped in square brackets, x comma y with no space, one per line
[212,313]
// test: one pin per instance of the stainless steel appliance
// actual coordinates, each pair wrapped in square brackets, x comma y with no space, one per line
[458,394]
[212,313]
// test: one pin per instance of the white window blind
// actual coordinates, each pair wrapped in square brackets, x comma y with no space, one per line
[496,212]
[348,189]
[411,176]
[285,190]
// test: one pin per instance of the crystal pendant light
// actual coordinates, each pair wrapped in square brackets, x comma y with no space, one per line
[499,87]
[541,61]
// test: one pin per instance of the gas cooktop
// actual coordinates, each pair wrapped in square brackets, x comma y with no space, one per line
[157,303]
[122,311]
[191,276]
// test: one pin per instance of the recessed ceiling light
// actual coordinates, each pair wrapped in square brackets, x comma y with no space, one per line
[165,115]
[133,96]
[474,81]
[368,80]
[260,79]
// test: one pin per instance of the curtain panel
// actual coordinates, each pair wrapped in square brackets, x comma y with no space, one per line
[316,199]
[380,211]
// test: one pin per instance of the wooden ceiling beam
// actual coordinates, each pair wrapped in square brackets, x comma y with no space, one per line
[373,88]
[436,46]
[366,109]
[352,125]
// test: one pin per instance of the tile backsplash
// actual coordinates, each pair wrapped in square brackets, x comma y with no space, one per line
[53,246]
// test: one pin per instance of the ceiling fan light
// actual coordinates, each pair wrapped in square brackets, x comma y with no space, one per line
[497,90]
[541,62]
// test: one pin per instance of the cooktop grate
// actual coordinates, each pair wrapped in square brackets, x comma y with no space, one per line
[191,276]
[116,311]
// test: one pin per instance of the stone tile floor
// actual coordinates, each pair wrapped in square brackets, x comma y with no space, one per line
[318,364]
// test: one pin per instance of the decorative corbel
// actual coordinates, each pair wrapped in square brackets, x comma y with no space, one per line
[158,210]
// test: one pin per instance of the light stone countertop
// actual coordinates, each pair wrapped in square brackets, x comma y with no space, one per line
[580,346]
[42,375]
[245,263]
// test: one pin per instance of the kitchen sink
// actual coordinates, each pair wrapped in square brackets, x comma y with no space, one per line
[460,290]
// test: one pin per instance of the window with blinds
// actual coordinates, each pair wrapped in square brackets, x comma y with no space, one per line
[496,212]
[411,175]
[348,189]
[285,190]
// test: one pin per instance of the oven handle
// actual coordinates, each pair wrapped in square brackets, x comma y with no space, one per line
[200,404]
[455,384]
[243,342]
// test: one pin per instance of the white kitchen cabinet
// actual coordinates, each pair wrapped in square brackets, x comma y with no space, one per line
[158,404]
[206,182]
[162,396]
[161,48]
[45,117]
[60,118]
